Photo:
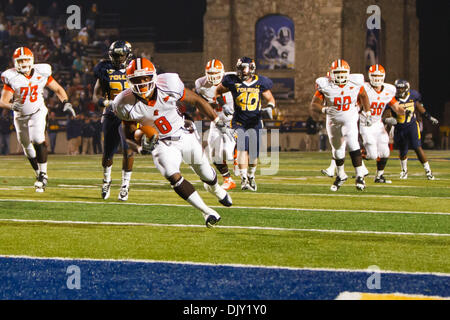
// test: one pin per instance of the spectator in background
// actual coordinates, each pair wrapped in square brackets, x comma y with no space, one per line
[53,128]
[54,12]
[87,134]
[311,130]
[4,34]
[323,136]
[10,10]
[29,10]
[5,130]
[77,64]
[91,16]
[74,134]
[97,139]
[56,39]
[83,36]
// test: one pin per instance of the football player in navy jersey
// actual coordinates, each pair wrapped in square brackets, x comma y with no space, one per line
[111,80]
[407,132]
[248,89]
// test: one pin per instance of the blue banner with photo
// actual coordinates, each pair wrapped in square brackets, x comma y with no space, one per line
[275,45]
[283,88]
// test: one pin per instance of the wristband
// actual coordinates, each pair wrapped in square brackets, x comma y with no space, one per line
[270,104]
[65,101]
[216,120]
[426,115]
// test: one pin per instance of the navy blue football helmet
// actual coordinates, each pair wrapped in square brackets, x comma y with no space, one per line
[246,68]
[120,54]
[402,87]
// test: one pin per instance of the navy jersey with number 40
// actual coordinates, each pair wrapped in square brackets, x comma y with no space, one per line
[113,81]
[247,98]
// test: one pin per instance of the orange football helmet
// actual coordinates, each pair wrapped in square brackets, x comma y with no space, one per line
[214,71]
[377,75]
[339,72]
[23,59]
[141,75]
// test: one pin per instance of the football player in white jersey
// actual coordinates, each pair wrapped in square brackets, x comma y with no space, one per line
[220,144]
[337,96]
[152,100]
[375,137]
[24,85]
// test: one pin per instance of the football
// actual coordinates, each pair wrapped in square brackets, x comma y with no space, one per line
[149,131]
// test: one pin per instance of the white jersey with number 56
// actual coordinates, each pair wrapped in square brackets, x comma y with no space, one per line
[28,90]
[162,111]
[379,100]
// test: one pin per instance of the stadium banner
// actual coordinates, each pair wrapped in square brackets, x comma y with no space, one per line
[283,88]
[275,45]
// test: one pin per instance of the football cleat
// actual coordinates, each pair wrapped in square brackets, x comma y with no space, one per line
[327,172]
[360,183]
[338,183]
[382,179]
[211,221]
[245,184]
[226,201]
[404,175]
[252,183]
[228,183]
[429,175]
[41,182]
[123,194]
[106,189]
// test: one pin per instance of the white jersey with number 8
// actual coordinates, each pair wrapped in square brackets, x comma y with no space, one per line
[162,111]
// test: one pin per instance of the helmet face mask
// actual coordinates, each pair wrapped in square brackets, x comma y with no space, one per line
[214,72]
[402,87]
[339,72]
[141,75]
[246,68]
[119,53]
[377,75]
[23,60]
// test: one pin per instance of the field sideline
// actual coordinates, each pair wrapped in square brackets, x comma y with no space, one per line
[293,221]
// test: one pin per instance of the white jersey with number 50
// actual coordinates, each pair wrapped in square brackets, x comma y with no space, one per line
[379,100]
[341,100]
[28,90]
[162,111]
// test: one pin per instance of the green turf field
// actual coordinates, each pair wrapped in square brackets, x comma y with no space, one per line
[293,220]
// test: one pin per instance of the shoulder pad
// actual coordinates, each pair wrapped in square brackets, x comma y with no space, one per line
[44,69]
[170,84]
[8,75]
[200,82]
[356,78]
[322,83]
[124,98]
[390,88]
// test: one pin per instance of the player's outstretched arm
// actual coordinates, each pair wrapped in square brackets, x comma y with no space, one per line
[425,113]
[363,99]
[98,97]
[62,95]
[317,105]
[201,104]
[220,90]
[5,99]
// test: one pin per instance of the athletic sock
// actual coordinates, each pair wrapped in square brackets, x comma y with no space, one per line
[426,166]
[126,177]
[404,164]
[359,171]
[243,173]
[107,173]
[197,202]
[43,167]
[340,171]
[251,171]
[379,173]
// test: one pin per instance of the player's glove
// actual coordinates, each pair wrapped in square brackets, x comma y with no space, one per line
[369,120]
[227,110]
[147,145]
[16,106]
[433,120]
[325,110]
[104,103]
[390,121]
[268,111]
[222,126]
[68,107]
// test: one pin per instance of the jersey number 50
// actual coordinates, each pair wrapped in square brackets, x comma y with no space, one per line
[342,106]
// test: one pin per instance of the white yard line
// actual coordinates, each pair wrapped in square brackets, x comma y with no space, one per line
[145,224]
[234,207]
[150,261]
